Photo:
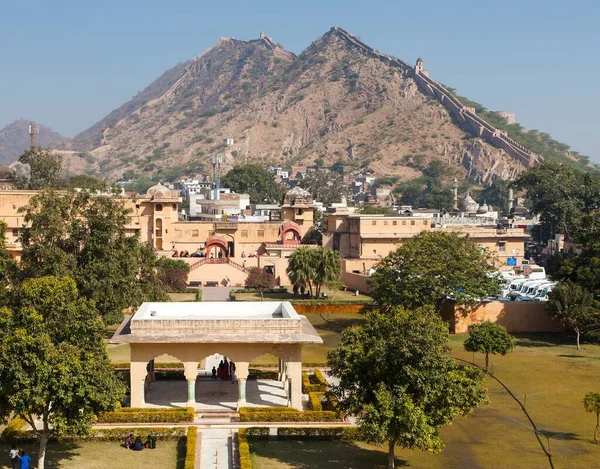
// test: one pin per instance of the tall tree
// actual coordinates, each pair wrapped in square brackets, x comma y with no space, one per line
[434,267]
[325,186]
[395,376]
[45,168]
[83,236]
[487,338]
[53,362]
[260,280]
[312,268]
[591,404]
[560,195]
[8,268]
[173,273]
[574,307]
[496,195]
[256,181]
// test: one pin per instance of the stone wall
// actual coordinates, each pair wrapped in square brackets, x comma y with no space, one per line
[356,282]
[516,316]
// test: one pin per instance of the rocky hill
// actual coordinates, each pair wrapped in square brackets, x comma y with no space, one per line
[340,100]
[14,140]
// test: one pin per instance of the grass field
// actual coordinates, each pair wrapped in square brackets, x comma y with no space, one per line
[332,295]
[103,455]
[546,368]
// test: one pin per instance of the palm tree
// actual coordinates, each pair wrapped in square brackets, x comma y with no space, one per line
[312,268]
[300,269]
[328,268]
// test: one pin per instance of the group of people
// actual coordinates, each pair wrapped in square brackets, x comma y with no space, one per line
[137,445]
[19,458]
[225,372]
[198,253]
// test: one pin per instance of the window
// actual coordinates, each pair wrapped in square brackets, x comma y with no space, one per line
[385,222]
[194,233]
[374,222]
[174,206]
[412,223]
[15,232]
[395,222]
[501,246]
[261,233]
[403,222]
[244,233]
[159,207]
[425,222]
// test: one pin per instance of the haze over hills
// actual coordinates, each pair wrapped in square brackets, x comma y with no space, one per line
[339,100]
[14,140]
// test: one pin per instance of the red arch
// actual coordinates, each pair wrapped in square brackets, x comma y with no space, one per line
[290,227]
[217,244]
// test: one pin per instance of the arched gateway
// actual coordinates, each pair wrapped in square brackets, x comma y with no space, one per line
[192,332]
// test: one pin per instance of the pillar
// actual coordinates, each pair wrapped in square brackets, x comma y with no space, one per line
[138,373]
[294,373]
[241,372]
[190,370]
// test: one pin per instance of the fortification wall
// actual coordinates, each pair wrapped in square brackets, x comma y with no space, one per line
[471,122]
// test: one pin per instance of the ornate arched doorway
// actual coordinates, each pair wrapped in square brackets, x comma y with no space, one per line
[290,233]
[216,248]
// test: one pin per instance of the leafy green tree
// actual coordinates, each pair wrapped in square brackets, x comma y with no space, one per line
[85,181]
[434,267]
[396,377]
[371,210]
[173,273]
[574,307]
[325,186]
[487,338]
[314,235]
[591,403]
[45,168]
[53,362]
[260,280]
[8,267]
[84,237]
[312,268]
[560,195]
[140,185]
[496,195]
[254,180]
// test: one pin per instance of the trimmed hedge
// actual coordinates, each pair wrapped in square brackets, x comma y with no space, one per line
[313,383]
[190,448]
[259,410]
[247,414]
[244,449]
[199,294]
[108,434]
[142,415]
[314,400]
[263,374]
[323,433]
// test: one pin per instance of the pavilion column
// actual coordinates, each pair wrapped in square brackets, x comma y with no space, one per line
[138,373]
[190,370]
[294,373]
[241,372]
[282,370]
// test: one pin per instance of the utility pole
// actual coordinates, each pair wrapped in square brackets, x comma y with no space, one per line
[215,161]
[34,130]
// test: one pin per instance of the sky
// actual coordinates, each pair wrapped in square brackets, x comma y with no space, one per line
[68,63]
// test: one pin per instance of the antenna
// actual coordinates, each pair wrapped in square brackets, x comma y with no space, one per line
[216,161]
[34,130]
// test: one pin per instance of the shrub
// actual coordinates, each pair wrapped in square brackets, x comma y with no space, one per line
[244,449]
[247,414]
[199,294]
[313,383]
[190,448]
[262,374]
[323,433]
[141,415]
[13,429]
[110,434]
[314,401]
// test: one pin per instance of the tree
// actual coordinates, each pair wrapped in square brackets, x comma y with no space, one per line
[8,268]
[560,195]
[311,268]
[53,362]
[325,186]
[591,403]
[45,168]
[487,338]
[371,210]
[314,235]
[260,280]
[395,376]
[85,181]
[429,270]
[173,273]
[256,181]
[84,237]
[496,195]
[573,307]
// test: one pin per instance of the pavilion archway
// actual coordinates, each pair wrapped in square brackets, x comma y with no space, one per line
[290,233]
[216,247]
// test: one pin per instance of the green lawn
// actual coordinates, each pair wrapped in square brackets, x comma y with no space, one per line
[103,455]
[332,295]
[547,368]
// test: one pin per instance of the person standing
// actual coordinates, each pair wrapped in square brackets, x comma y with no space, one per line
[14,456]
[24,460]
[214,373]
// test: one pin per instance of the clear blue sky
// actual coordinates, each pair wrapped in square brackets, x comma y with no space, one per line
[67,63]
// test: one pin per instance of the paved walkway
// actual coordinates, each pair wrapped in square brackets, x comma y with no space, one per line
[216,293]
[214,449]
